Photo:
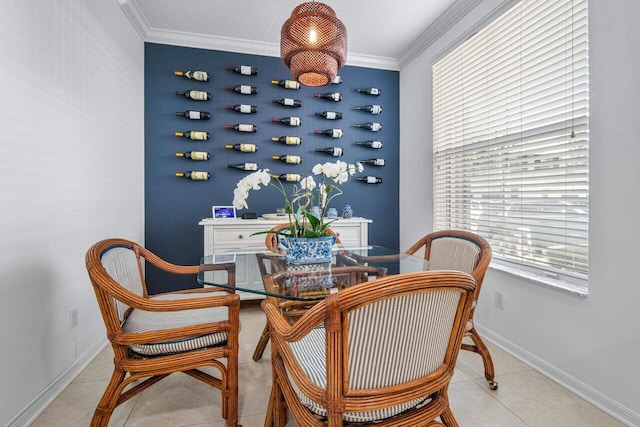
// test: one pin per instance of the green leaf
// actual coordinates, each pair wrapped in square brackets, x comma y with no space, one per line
[315,222]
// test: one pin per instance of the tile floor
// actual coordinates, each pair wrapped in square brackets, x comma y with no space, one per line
[524,398]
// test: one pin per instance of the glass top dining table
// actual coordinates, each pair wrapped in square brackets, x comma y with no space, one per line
[305,282]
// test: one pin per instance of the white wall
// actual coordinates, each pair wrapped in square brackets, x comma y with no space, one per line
[590,344]
[71,173]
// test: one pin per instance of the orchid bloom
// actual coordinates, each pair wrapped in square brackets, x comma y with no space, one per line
[302,197]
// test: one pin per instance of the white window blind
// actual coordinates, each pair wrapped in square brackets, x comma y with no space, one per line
[510,138]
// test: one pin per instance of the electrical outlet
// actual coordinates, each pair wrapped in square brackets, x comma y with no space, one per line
[73,317]
[499,298]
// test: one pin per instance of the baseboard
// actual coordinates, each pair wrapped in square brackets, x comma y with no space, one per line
[53,390]
[591,395]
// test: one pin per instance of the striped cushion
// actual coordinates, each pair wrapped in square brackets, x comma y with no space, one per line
[145,321]
[122,265]
[390,342]
[452,253]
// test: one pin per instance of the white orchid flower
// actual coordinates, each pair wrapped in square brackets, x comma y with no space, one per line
[264,177]
[330,170]
[240,198]
[323,195]
[303,196]
[308,183]
[245,183]
[254,179]
[342,177]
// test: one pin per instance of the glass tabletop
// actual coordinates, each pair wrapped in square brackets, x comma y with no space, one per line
[306,282]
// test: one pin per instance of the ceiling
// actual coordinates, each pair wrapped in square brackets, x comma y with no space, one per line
[379,32]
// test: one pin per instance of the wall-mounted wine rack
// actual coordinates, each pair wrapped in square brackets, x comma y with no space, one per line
[320,101]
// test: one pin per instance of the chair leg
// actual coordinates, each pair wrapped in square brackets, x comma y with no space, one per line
[448,419]
[230,393]
[277,409]
[279,406]
[480,348]
[262,344]
[268,420]
[108,401]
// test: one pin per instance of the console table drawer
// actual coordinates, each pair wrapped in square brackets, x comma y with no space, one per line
[238,237]
[348,235]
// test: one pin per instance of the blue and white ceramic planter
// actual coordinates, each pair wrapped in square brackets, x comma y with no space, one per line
[347,212]
[308,250]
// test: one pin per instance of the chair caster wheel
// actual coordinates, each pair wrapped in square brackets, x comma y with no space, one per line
[493,385]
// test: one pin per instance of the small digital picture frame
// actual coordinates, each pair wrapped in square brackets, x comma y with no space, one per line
[224,212]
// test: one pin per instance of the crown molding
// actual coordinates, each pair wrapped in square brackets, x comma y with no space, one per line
[227,44]
[135,16]
[370,61]
[450,17]
[252,47]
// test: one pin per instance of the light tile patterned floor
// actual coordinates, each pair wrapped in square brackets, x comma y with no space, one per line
[524,398]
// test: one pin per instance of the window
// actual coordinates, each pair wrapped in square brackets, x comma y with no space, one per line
[511,136]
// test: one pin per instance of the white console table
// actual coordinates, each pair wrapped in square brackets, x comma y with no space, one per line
[225,235]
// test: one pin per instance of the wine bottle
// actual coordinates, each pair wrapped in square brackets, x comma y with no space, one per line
[333,133]
[194,135]
[333,151]
[196,95]
[291,121]
[373,162]
[373,127]
[243,89]
[337,80]
[287,158]
[194,155]
[370,91]
[330,115]
[194,115]
[373,109]
[202,76]
[287,84]
[289,177]
[246,70]
[241,127]
[245,148]
[244,166]
[370,144]
[370,179]
[288,102]
[332,96]
[288,140]
[194,175]
[243,108]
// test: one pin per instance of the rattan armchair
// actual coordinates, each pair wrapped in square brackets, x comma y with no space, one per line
[153,336]
[468,252]
[381,352]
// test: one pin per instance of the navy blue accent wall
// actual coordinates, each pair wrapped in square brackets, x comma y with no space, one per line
[174,206]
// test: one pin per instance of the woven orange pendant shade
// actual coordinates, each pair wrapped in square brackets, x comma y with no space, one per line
[313,44]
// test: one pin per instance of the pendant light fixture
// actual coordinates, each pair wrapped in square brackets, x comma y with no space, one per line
[313,44]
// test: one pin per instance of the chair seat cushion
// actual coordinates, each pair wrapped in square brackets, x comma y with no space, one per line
[145,321]
[310,352]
